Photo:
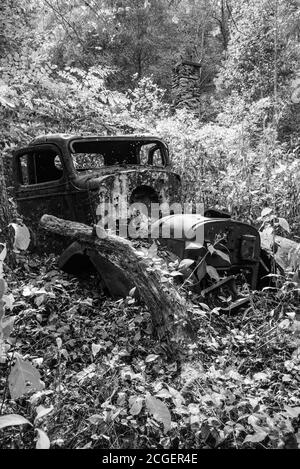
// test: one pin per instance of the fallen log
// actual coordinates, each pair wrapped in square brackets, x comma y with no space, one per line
[115,255]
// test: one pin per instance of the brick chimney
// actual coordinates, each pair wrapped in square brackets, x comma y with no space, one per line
[186,85]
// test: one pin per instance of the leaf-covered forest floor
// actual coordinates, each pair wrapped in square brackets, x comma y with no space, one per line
[109,384]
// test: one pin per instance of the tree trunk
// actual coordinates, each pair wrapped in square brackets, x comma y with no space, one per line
[4,205]
[7,215]
[163,302]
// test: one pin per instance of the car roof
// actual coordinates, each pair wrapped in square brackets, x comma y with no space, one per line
[60,138]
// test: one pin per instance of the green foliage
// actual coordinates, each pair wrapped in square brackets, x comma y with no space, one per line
[72,72]
[225,163]
[135,37]
[235,163]
[263,41]
[12,420]
[236,386]
[23,378]
[130,36]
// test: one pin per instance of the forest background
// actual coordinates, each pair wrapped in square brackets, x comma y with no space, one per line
[108,67]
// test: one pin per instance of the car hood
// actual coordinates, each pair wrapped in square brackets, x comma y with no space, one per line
[186,234]
[191,227]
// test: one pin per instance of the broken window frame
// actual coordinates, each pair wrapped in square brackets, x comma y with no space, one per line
[138,143]
[35,149]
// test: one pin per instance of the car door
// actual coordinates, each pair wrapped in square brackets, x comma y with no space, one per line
[41,183]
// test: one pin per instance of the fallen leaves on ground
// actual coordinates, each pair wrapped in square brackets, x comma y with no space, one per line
[109,384]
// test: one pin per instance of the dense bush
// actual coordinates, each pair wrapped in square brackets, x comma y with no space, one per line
[235,161]
[234,164]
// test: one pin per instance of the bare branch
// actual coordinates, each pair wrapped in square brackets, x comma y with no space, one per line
[58,13]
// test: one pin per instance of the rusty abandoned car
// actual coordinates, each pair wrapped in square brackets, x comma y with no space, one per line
[69,176]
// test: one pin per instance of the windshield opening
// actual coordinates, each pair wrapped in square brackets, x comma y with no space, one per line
[91,155]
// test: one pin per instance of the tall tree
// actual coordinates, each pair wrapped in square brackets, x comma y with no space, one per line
[263,49]
[4,206]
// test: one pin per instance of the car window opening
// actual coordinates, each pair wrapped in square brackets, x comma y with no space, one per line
[91,155]
[39,167]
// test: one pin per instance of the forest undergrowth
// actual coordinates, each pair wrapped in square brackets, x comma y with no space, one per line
[107,383]
[99,378]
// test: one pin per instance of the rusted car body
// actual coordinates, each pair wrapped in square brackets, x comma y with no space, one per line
[71,176]
[239,243]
